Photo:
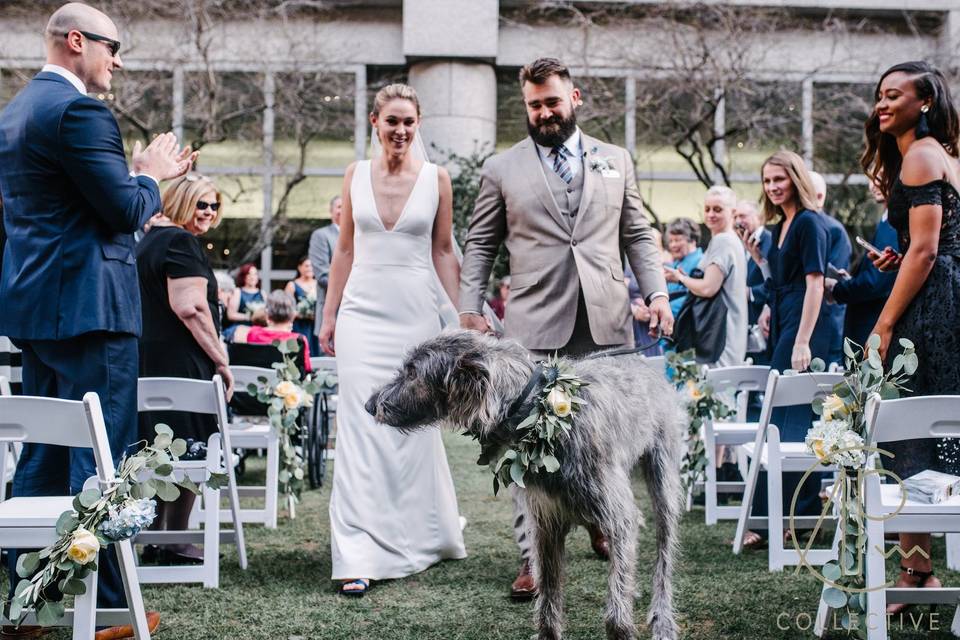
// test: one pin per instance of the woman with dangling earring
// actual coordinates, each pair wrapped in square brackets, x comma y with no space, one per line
[912,140]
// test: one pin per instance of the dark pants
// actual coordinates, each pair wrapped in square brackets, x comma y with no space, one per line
[581,340]
[106,363]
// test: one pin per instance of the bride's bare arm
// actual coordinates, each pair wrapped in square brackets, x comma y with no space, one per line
[340,266]
[444,257]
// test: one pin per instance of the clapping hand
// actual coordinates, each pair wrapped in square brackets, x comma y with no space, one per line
[672,275]
[161,159]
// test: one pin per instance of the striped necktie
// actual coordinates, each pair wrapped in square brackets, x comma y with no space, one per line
[560,163]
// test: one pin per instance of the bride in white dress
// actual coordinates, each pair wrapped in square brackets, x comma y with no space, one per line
[393,509]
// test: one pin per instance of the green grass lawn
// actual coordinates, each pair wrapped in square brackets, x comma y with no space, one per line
[287,594]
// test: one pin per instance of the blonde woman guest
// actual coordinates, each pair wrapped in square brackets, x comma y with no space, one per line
[724,270]
[393,509]
[181,322]
[799,322]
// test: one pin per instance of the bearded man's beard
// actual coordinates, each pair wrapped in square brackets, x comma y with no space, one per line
[553,131]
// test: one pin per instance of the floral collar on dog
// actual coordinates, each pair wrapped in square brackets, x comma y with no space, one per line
[535,438]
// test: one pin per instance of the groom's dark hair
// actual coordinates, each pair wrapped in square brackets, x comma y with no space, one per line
[541,69]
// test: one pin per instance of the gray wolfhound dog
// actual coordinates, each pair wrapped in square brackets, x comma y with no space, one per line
[633,418]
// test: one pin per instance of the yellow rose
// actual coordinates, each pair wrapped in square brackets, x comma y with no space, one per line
[84,546]
[285,388]
[559,402]
[695,392]
[817,446]
[832,404]
[292,400]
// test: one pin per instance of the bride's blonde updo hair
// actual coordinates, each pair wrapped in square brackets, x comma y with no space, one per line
[393,92]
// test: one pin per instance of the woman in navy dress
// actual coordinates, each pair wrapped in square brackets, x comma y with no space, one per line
[244,300]
[799,323]
[303,289]
[913,145]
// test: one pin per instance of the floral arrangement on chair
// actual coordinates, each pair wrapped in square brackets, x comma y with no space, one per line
[98,519]
[702,402]
[285,402]
[839,439]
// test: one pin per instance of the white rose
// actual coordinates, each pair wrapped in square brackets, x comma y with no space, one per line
[832,405]
[559,402]
[84,546]
[292,400]
[285,388]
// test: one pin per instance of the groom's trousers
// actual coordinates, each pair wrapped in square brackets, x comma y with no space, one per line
[106,363]
[580,344]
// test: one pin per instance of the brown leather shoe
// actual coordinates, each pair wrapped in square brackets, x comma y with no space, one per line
[126,631]
[599,542]
[525,586]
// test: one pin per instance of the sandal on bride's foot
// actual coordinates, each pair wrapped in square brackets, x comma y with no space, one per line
[354,588]
[910,577]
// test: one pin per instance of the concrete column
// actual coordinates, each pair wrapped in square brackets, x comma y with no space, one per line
[360,113]
[630,114]
[266,256]
[719,132]
[458,100]
[806,113]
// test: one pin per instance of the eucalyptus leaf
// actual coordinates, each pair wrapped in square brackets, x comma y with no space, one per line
[73,587]
[16,608]
[873,342]
[550,463]
[164,470]
[516,474]
[831,571]
[906,344]
[66,523]
[178,447]
[911,364]
[167,491]
[163,429]
[848,348]
[89,497]
[217,480]
[818,365]
[50,613]
[835,598]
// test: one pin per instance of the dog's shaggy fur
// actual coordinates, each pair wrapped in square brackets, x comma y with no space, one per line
[632,419]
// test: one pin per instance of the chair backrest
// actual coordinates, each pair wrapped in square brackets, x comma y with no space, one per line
[10,365]
[323,363]
[5,387]
[741,378]
[242,403]
[68,423]
[659,363]
[188,395]
[912,418]
[793,389]
[260,355]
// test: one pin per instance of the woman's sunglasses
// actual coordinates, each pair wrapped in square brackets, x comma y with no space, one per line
[202,206]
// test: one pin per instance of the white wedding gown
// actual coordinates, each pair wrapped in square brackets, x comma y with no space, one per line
[393,509]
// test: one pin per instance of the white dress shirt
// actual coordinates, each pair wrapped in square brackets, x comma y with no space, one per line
[574,146]
[66,73]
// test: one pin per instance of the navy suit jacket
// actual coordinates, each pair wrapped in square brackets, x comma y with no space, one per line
[756,281]
[867,291]
[70,208]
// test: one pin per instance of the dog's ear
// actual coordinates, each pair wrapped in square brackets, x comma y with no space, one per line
[467,386]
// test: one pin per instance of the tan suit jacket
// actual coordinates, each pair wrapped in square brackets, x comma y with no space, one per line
[549,262]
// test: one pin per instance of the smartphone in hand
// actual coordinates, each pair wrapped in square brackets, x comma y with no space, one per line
[869,247]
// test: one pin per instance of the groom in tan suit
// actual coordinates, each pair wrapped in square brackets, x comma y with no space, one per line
[567,206]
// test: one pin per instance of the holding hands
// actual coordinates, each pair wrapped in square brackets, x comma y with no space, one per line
[661,317]
[161,159]
[475,322]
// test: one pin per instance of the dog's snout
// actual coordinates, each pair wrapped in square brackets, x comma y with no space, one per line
[371,405]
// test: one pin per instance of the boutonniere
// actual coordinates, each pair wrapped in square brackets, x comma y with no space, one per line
[601,164]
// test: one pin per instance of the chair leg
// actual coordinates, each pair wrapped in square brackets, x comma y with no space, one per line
[235,507]
[131,586]
[953,551]
[211,538]
[85,610]
[876,576]
[272,488]
[823,609]
[774,500]
[710,487]
[753,473]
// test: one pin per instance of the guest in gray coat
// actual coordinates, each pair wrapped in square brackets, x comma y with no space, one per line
[322,243]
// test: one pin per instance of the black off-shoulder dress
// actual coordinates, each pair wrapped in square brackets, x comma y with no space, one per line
[931,322]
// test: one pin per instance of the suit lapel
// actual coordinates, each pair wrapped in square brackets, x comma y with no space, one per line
[590,178]
[533,170]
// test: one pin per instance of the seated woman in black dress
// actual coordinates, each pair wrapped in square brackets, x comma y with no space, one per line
[181,332]
[913,145]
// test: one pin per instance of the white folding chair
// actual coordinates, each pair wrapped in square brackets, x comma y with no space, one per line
[245,434]
[29,522]
[329,400]
[889,511]
[741,380]
[9,451]
[11,366]
[204,397]
[768,453]
[658,363]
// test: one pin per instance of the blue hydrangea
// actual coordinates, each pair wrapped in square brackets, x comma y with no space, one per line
[127,522]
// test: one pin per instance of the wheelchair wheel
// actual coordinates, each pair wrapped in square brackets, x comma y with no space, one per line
[316,442]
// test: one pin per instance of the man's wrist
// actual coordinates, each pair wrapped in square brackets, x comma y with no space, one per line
[469,313]
[135,174]
[657,294]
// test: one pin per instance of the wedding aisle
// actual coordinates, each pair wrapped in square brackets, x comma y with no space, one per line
[286,594]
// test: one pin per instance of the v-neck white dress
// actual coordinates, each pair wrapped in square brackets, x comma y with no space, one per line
[393,509]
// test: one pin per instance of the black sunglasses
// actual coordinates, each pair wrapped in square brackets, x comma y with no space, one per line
[202,206]
[113,45]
